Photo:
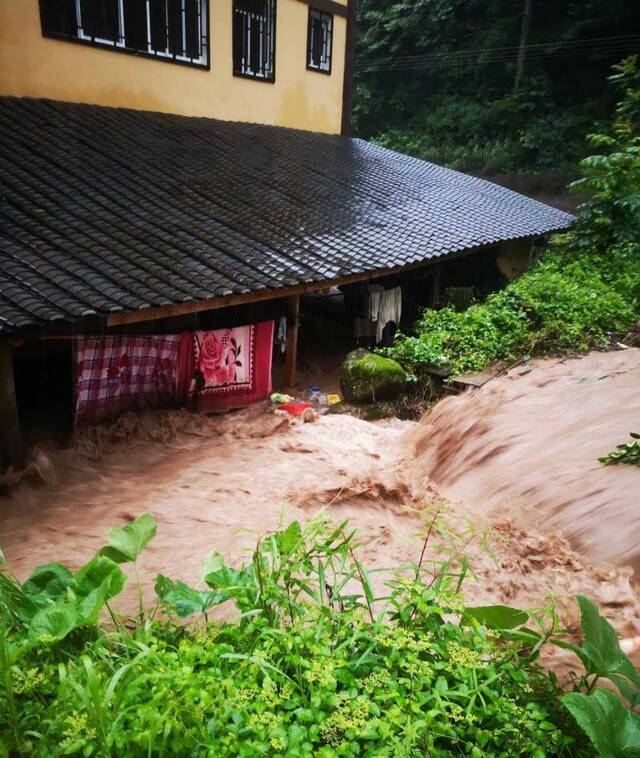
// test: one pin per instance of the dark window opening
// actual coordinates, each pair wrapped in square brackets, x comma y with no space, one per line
[171,30]
[319,41]
[254,39]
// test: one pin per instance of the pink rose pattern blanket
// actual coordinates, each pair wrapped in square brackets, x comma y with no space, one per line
[120,373]
[225,368]
[224,359]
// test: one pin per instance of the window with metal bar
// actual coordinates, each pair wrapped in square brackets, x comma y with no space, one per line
[171,30]
[319,41]
[254,39]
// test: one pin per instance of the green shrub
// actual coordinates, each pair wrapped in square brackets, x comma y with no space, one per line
[627,452]
[316,663]
[557,306]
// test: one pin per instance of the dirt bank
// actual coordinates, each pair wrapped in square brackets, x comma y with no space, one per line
[219,483]
[525,447]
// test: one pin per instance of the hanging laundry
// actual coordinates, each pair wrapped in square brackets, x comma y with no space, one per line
[390,310]
[375,298]
[281,337]
[120,373]
[225,368]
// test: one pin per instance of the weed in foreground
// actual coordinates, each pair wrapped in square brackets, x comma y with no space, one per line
[317,662]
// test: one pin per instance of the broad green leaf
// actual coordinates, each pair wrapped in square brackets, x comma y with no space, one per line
[613,730]
[96,583]
[497,616]
[290,538]
[44,586]
[213,561]
[50,581]
[15,601]
[229,579]
[601,646]
[185,599]
[127,542]
[53,623]
[236,584]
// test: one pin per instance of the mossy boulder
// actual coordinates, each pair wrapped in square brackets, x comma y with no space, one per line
[369,378]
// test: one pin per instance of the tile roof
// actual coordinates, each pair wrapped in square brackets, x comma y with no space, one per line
[105,209]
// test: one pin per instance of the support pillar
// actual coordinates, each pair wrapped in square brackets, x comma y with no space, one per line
[434,290]
[291,354]
[11,443]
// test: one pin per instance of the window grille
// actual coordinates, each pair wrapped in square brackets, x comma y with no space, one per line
[172,30]
[254,39]
[319,41]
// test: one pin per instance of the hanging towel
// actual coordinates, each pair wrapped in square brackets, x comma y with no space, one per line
[225,368]
[281,337]
[375,298]
[390,310]
[120,373]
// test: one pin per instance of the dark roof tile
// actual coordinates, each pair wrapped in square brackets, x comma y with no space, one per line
[105,209]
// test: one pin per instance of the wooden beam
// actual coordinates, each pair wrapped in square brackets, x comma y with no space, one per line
[121,318]
[11,442]
[291,354]
[349,66]
[328,6]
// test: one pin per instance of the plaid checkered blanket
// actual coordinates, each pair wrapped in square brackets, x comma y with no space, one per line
[115,374]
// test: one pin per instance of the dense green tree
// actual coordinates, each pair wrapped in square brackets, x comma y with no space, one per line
[436,78]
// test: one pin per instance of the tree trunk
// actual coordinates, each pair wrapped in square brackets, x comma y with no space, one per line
[524,39]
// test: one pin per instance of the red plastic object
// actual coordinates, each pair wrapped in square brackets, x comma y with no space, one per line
[295,409]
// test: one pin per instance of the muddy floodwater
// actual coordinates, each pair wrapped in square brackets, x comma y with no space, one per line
[515,460]
[526,446]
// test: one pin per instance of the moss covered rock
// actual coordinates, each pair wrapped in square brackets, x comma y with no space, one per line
[369,378]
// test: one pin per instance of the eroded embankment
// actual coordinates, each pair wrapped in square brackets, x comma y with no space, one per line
[526,447]
[218,483]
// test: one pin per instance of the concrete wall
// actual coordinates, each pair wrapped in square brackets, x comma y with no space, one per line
[34,66]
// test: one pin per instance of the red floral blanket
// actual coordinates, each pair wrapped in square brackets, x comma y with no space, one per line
[115,374]
[225,368]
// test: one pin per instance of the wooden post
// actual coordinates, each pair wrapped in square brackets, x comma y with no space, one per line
[434,294]
[291,354]
[11,444]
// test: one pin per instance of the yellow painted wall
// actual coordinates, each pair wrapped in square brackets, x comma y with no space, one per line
[34,66]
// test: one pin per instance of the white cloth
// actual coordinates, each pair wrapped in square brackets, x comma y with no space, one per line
[390,310]
[375,298]
[281,338]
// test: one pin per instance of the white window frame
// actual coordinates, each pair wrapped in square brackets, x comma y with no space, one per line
[265,38]
[327,44]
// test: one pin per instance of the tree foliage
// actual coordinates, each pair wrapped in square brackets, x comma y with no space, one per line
[450,97]
[586,286]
